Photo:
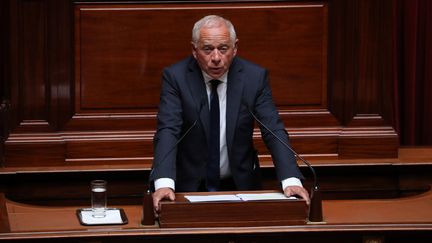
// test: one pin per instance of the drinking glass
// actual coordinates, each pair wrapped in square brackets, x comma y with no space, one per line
[98,198]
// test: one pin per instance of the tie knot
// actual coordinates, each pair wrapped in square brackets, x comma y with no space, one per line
[214,83]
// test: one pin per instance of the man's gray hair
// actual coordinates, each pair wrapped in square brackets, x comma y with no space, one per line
[212,21]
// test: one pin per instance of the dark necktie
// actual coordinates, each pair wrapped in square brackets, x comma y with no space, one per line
[213,171]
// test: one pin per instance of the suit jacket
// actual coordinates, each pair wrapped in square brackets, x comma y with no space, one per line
[184,100]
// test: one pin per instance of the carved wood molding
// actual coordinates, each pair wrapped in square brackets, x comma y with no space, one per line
[84,77]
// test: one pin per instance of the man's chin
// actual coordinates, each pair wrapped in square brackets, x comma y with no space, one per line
[216,75]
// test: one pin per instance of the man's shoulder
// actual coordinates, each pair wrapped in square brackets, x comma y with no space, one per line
[182,64]
[248,65]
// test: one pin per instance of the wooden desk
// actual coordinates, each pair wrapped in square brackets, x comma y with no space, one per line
[182,213]
[346,220]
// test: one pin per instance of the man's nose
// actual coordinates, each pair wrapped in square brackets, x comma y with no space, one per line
[216,56]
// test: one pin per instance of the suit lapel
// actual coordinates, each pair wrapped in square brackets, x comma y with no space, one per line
[234,96]
[199,94]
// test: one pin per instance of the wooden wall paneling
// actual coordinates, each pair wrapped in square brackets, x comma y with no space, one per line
[33,88]
[366,178]
[342,38]
[361,75]
[324,142]
[4,75]
[44,62]
[125,50]
[368,145]
[109,54]
[337,182]
[359,181]
[60,61]
[298,76]
[100,81]
[369,82]
[74,186]
[111,122]
[4,49]
[34,152]
[3,130]
[40,64]
[292,46]
[375,81]
[388,75]
[13,60]
[109,148]
[361,67]
[367,85]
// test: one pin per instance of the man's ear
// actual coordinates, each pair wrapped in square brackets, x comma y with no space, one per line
[236,46]
[194,49]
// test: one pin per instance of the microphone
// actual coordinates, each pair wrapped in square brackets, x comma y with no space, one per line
[147,214]
[315,209]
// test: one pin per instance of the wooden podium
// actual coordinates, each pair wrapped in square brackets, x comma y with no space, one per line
[182,213]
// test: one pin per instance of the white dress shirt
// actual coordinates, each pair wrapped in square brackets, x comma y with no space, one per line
[224,162]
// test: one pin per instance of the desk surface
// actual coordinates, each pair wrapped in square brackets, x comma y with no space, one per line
[403,214]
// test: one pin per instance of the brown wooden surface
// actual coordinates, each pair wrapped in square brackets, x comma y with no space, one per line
[83,79]
[4,216]
[231,214]
[415,209]
[409,174]
[406,156]
[106,54]
[405,214]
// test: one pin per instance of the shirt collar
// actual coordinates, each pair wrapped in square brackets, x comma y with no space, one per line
[207,77]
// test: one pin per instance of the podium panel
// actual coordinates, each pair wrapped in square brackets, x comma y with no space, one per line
[182,213]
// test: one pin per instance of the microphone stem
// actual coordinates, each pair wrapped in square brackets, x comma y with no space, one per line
[315,209]
[179,140]
[289,147]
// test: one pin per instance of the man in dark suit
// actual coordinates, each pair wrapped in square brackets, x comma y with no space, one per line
[208,98]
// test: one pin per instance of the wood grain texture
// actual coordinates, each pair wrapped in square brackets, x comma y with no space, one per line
[361,66]
[231,214]
[137,41]
[81,69]
[4,215]
[400,219]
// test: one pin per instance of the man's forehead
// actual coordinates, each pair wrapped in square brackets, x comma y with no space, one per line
[215,42]
[216,31]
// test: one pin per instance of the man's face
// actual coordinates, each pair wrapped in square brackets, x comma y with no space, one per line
[214,50]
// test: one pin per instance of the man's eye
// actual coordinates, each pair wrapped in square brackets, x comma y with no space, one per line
[223,49]
[207,49]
